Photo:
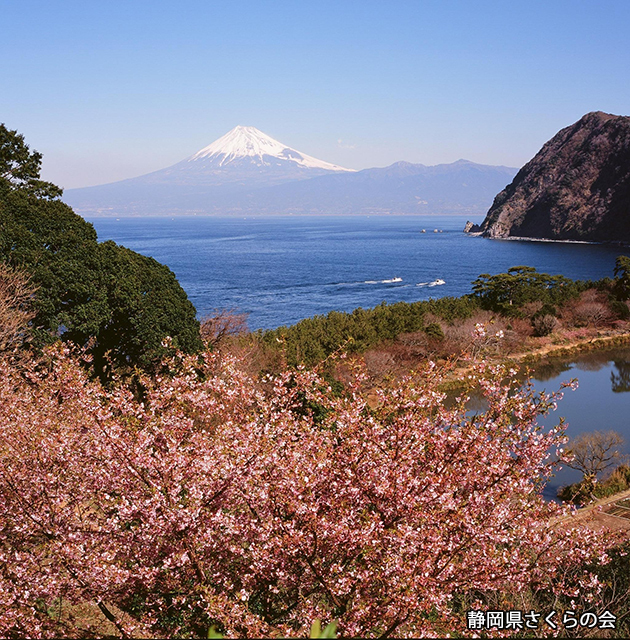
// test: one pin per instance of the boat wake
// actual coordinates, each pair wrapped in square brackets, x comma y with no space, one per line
[387,281]
[435,283]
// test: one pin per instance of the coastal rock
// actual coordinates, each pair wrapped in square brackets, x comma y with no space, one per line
[577,187]
[471,227]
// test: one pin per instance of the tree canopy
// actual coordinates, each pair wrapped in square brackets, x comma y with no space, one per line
[256,509]
[20,167]
[119,302]
[506,292]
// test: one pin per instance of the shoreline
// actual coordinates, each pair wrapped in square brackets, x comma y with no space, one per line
[605,243]
[595,517]
[526,239]
[603,341]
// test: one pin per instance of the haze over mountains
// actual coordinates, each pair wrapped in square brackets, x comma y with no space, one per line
[247,172]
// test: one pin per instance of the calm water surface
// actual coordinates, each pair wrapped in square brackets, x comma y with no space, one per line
[600,403]
[282,269]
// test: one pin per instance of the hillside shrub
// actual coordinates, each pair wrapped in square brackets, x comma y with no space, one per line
[434,330]
[590,309]
[544,325]
[507,292]
[620,309]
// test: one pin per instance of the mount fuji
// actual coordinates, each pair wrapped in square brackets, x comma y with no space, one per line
[243,156]
[246,147]
[242,159]
[247,171]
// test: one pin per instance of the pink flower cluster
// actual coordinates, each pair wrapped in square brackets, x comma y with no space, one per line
[207,497]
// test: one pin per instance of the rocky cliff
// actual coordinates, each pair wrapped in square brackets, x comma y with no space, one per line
[577,187]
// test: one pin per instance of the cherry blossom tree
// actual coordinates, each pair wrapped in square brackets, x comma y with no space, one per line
[206,498]
[16,308]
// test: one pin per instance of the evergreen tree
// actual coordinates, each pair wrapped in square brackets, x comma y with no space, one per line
[116,301]
[20,167]
[622,277]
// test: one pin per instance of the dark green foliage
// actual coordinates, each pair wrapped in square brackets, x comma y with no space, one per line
[434,330]
[303,405]
[546,310]
[603,284]
[19,166]
[622,278]
[312,340]
[620,309]
[171,618]
[145,304]
[544,325]
[337,388]
[507,292]
[59,249]
[544,320]
[450,309]
[116,301]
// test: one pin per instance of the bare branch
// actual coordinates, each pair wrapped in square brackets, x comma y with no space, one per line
[215,329]
[595,452]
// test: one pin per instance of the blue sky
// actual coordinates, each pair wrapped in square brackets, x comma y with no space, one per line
[113,89]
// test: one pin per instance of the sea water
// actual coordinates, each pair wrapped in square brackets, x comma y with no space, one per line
[281,269]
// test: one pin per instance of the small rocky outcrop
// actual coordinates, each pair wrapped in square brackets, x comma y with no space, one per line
[471,227]
[577,187]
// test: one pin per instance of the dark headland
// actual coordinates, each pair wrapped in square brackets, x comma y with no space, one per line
[577,187]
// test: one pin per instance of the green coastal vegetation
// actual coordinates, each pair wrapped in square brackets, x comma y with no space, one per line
[165,477]
[118,304]
[522,303]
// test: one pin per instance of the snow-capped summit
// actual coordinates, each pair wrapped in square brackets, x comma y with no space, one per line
[247,172]
[244,160]
[251,143]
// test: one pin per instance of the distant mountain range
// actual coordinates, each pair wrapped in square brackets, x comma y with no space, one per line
[577,187]
[248,172]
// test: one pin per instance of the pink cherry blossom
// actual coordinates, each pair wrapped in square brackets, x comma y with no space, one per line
[209,498]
